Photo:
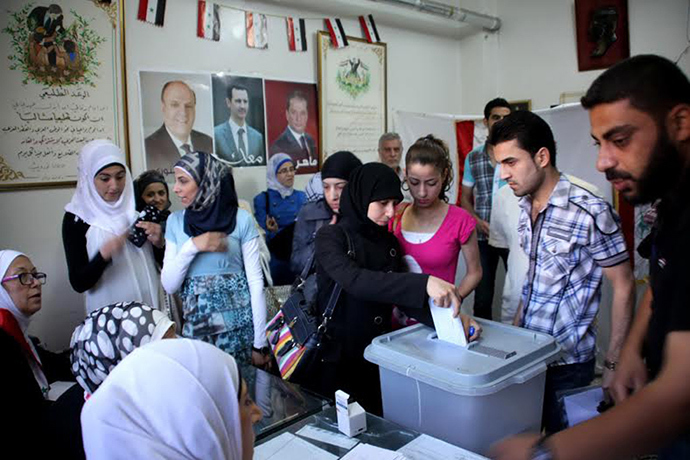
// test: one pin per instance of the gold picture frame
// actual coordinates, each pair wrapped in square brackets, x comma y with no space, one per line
[64,85]
[353,96]
[525,104]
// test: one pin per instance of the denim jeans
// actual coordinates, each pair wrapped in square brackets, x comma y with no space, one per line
[558,379]
[484,293]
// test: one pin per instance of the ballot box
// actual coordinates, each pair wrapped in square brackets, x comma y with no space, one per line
[469,396]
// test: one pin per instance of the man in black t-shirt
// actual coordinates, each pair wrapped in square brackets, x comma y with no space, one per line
[640,117]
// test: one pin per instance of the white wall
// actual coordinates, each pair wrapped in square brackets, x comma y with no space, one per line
[534,55]
[423,76]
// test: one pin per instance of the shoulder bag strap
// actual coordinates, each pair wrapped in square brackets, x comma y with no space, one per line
[335,294]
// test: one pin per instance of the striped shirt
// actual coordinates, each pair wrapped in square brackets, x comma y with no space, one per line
[572,239]
[479,175]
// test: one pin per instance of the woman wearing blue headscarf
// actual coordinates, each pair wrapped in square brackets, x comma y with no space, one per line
[212,261]
[276,210]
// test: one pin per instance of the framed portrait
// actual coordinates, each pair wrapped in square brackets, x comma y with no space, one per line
[521,105]
[352,96]
[62,73]
[239,133]
[292,123]
[176,117]
[602,33]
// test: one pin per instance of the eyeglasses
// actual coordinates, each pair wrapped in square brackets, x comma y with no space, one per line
[286,171]
[27,279]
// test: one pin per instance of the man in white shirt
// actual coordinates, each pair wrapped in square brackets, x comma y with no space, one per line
[176,136]
[390,154]
[237,143]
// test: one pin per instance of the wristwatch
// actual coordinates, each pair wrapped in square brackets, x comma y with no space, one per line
[541,451]
[264,350]
[610,365]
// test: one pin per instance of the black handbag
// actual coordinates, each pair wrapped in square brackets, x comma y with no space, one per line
[296,333]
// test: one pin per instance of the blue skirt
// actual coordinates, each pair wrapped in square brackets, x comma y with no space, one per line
[217,309]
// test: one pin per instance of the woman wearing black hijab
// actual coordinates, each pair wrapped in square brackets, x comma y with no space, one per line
[372,282]
[335,173]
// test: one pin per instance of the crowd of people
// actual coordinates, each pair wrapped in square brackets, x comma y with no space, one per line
[385,234]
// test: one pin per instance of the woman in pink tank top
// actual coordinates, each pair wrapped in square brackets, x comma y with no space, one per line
[432,232]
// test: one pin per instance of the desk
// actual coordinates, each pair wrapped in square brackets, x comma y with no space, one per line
[281,402]
[380,433]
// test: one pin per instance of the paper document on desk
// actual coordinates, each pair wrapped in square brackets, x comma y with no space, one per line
[287,446]
[448,329]
[368,452]
[428,448]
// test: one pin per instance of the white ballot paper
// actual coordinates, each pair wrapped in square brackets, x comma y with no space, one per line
[448,329]
[428,448]
[287,446]
[368,452]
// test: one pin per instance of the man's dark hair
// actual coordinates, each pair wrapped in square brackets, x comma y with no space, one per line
[236,86]
[651,83]
[296,94]
[493,103]
[529,130]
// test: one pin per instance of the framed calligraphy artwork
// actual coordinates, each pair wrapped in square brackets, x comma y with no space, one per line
[352,96]
[62,74]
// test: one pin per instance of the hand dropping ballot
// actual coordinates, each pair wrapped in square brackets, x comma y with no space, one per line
[448,329]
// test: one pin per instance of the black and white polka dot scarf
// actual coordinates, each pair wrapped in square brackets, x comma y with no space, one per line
[108,335]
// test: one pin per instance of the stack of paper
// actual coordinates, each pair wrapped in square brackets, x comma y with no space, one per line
[369,452]
[427,448]
[287,446]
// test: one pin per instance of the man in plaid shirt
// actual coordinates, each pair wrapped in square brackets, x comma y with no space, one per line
[571,237]
[478,184]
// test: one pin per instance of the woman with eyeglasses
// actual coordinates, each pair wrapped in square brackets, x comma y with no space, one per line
[28,369]
[276,210]
[108,257]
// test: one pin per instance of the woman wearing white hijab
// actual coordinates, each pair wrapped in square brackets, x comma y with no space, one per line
[138,413]
[101,260]
[276,210]
[27,369]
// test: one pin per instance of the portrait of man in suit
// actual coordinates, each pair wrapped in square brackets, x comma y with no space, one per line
[236,142]
[295,141]
[175,137]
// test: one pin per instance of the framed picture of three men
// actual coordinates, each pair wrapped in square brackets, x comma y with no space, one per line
[242,120]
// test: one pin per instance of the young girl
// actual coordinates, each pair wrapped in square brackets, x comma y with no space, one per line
[212,259]
[432,232]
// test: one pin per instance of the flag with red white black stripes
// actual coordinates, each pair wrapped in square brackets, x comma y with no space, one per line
[257,30]
[297,34]
[208,21]
[337,32]
[152,11]
[371,33]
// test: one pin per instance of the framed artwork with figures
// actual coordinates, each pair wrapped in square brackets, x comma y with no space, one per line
[352,96]
[61,64]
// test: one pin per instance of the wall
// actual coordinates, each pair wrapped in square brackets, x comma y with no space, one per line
[534,55]
[423,76]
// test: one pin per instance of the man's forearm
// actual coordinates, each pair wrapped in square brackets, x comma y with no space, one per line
[621,316]
[644,423]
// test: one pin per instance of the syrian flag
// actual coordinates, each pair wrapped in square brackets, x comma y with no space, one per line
[469,135]
[335,29]
[257,30]
[369,28]
[297,34]
[152,11]
[208,21]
